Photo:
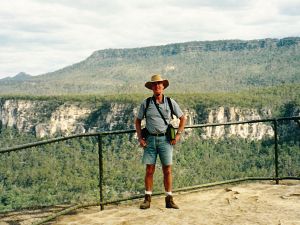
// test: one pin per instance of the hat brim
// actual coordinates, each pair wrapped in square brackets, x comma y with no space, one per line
[149,84]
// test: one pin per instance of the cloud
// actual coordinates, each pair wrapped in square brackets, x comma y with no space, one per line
[98,6]
[289,8]
[214,4]
[41,36]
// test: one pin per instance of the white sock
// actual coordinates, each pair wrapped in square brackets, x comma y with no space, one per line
[168,193]
[148,192]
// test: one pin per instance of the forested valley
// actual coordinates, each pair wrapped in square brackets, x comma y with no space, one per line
[67,172]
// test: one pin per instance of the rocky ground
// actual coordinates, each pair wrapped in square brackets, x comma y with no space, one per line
[247,203]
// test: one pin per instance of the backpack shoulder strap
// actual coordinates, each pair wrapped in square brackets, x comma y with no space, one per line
[171,106]
[147,105]
[169,102]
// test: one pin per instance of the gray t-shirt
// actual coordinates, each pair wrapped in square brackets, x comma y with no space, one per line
[154,122]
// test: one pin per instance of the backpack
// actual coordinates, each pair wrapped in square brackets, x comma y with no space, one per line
[169,103]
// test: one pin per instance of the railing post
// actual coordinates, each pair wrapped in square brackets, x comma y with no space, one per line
[276,150]
[100,156]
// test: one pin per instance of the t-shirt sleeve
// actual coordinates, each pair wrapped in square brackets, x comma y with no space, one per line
[140,114]
[177,111]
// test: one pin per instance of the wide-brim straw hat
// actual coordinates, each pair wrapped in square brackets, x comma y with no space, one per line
[156,78]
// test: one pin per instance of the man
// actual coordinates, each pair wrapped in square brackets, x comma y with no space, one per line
[156,142]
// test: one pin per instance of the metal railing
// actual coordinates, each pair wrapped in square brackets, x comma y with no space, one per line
[100,135]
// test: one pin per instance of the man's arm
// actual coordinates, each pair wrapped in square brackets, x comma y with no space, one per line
[138,128]
[181,124]
[179,130]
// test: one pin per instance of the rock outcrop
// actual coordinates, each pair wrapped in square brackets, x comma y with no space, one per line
[232,114]
[48,119]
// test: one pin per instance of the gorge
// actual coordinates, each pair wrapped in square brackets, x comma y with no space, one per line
[46,118]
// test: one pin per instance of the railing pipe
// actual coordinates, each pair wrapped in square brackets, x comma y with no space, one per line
[100,156]
[276,149]
[21,147]
[39,143]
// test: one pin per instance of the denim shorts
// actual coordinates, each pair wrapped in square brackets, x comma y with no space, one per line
[158,145]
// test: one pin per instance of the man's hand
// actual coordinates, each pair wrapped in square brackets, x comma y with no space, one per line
[142,142]
[177,137]
[180,130]
[138,128]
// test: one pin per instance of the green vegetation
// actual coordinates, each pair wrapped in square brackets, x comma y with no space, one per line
[52,174]
[270,97]
[67,172]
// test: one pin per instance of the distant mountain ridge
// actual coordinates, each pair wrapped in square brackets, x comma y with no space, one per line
[19,76]
[198,66]
[173,49]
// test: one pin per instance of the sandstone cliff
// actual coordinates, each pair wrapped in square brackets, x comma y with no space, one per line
[52,118]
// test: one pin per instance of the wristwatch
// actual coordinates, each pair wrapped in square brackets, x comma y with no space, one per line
[179,132]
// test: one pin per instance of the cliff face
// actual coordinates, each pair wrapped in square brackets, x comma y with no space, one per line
[66,120]
[18,114]
[250,131]
[48,119]
[37,117]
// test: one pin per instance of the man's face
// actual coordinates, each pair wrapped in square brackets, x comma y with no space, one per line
[158,87]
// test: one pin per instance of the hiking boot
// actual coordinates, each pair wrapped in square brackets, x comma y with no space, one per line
[170,202]
[146,203]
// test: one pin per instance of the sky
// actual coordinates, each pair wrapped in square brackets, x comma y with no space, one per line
[40,36]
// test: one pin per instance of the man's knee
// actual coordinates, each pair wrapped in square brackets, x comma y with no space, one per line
[150,169]
[167,170]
